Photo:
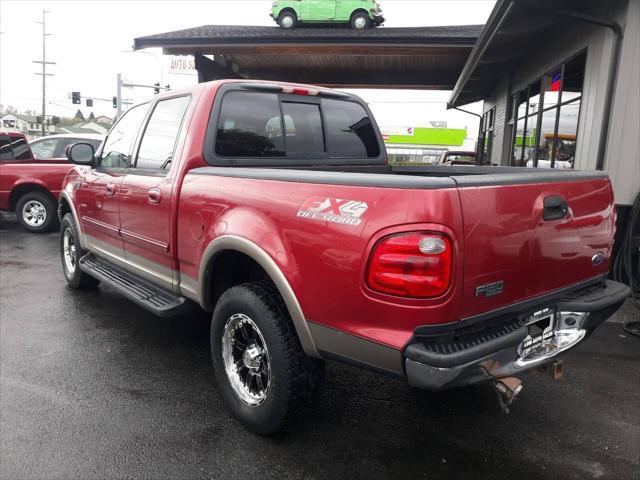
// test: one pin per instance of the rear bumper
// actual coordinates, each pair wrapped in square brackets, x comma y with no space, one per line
[494,350]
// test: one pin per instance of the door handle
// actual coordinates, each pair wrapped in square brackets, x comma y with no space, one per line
[555,208]
[154,195]
[111,189]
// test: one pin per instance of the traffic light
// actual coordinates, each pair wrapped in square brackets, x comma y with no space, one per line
[75,98]
[89,102]
[115,102]
[156,88]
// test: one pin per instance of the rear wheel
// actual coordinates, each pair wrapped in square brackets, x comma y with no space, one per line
[360,21]
[70,254]
[288,20]
[36,212]
[263,374]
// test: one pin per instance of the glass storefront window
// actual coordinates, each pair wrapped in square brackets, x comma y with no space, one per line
[573,78]
[545,139]
[552,83]
[518,144]
[534,98]
[553,103]
[523,96]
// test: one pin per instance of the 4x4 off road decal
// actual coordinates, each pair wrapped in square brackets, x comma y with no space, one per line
[336,210]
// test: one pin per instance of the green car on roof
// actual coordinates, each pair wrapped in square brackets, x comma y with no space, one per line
[359,14]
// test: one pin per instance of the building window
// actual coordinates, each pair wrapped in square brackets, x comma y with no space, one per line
[485,140]
[544,117]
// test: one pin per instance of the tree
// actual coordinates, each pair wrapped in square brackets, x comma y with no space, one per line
[92,116]
[79,115]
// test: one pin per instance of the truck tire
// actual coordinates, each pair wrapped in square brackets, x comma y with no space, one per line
[36,212]
[360,21]
[70,254]
[264,376]
[287,20]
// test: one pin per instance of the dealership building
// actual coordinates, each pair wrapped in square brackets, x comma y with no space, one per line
[560,82]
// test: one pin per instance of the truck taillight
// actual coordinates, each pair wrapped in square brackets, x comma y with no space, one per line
[413,264]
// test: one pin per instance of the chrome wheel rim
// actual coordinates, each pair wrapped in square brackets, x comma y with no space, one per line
[34,213]
[246,359]
[360,22]
[69,251]
[287,21]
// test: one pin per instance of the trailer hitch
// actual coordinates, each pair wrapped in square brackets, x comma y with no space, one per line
[507,390]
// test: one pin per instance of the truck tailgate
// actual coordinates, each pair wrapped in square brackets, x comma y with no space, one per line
[512,253]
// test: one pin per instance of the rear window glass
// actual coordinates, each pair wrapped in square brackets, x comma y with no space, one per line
[21,149]
[350,132]
[304,128]
[14,148]
[251,125]
[5,148]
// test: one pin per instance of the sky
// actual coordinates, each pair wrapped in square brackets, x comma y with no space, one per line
[91,42]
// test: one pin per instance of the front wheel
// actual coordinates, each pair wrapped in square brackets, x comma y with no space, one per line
[36,212]
[264,376]
[360,21]
[288,20]
[70,254]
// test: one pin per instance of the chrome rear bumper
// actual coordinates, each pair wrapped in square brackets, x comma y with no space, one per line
[432,364]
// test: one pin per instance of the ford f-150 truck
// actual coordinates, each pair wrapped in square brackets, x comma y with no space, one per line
[28,186]
[272,206]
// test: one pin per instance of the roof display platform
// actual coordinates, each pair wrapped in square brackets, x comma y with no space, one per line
[420,57]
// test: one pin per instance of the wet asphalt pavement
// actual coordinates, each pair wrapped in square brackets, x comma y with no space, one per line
[92,386]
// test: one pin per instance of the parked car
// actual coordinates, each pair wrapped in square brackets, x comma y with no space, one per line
[28,186]
[54,147]
[453,157]
[271,205]
[359,14]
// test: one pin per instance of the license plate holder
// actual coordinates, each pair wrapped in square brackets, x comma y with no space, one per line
[540,326]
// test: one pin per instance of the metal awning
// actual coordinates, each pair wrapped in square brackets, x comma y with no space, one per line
[420,58]
[514,29]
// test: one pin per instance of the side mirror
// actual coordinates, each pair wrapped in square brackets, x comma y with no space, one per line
[81,154]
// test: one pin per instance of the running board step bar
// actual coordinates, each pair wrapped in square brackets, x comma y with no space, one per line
[155,299]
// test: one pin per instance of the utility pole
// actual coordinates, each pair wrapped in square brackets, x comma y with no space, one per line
[119,96]
[44,68]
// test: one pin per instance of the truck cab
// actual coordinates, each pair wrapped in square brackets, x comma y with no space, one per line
[359,14]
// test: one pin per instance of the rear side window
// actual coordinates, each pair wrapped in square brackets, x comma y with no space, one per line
[298,129]
[44,149]
[160,136]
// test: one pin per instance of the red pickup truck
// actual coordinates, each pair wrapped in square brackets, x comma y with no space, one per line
[28,186]
[272,206]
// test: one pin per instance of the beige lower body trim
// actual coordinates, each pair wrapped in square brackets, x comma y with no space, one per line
[189,288]
[356,349]
[146,269]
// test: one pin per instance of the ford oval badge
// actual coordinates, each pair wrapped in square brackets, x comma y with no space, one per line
[598,258]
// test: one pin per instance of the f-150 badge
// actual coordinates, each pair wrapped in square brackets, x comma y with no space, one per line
[336,210]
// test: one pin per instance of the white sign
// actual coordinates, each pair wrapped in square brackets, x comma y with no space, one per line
[404,131]
[182,64]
